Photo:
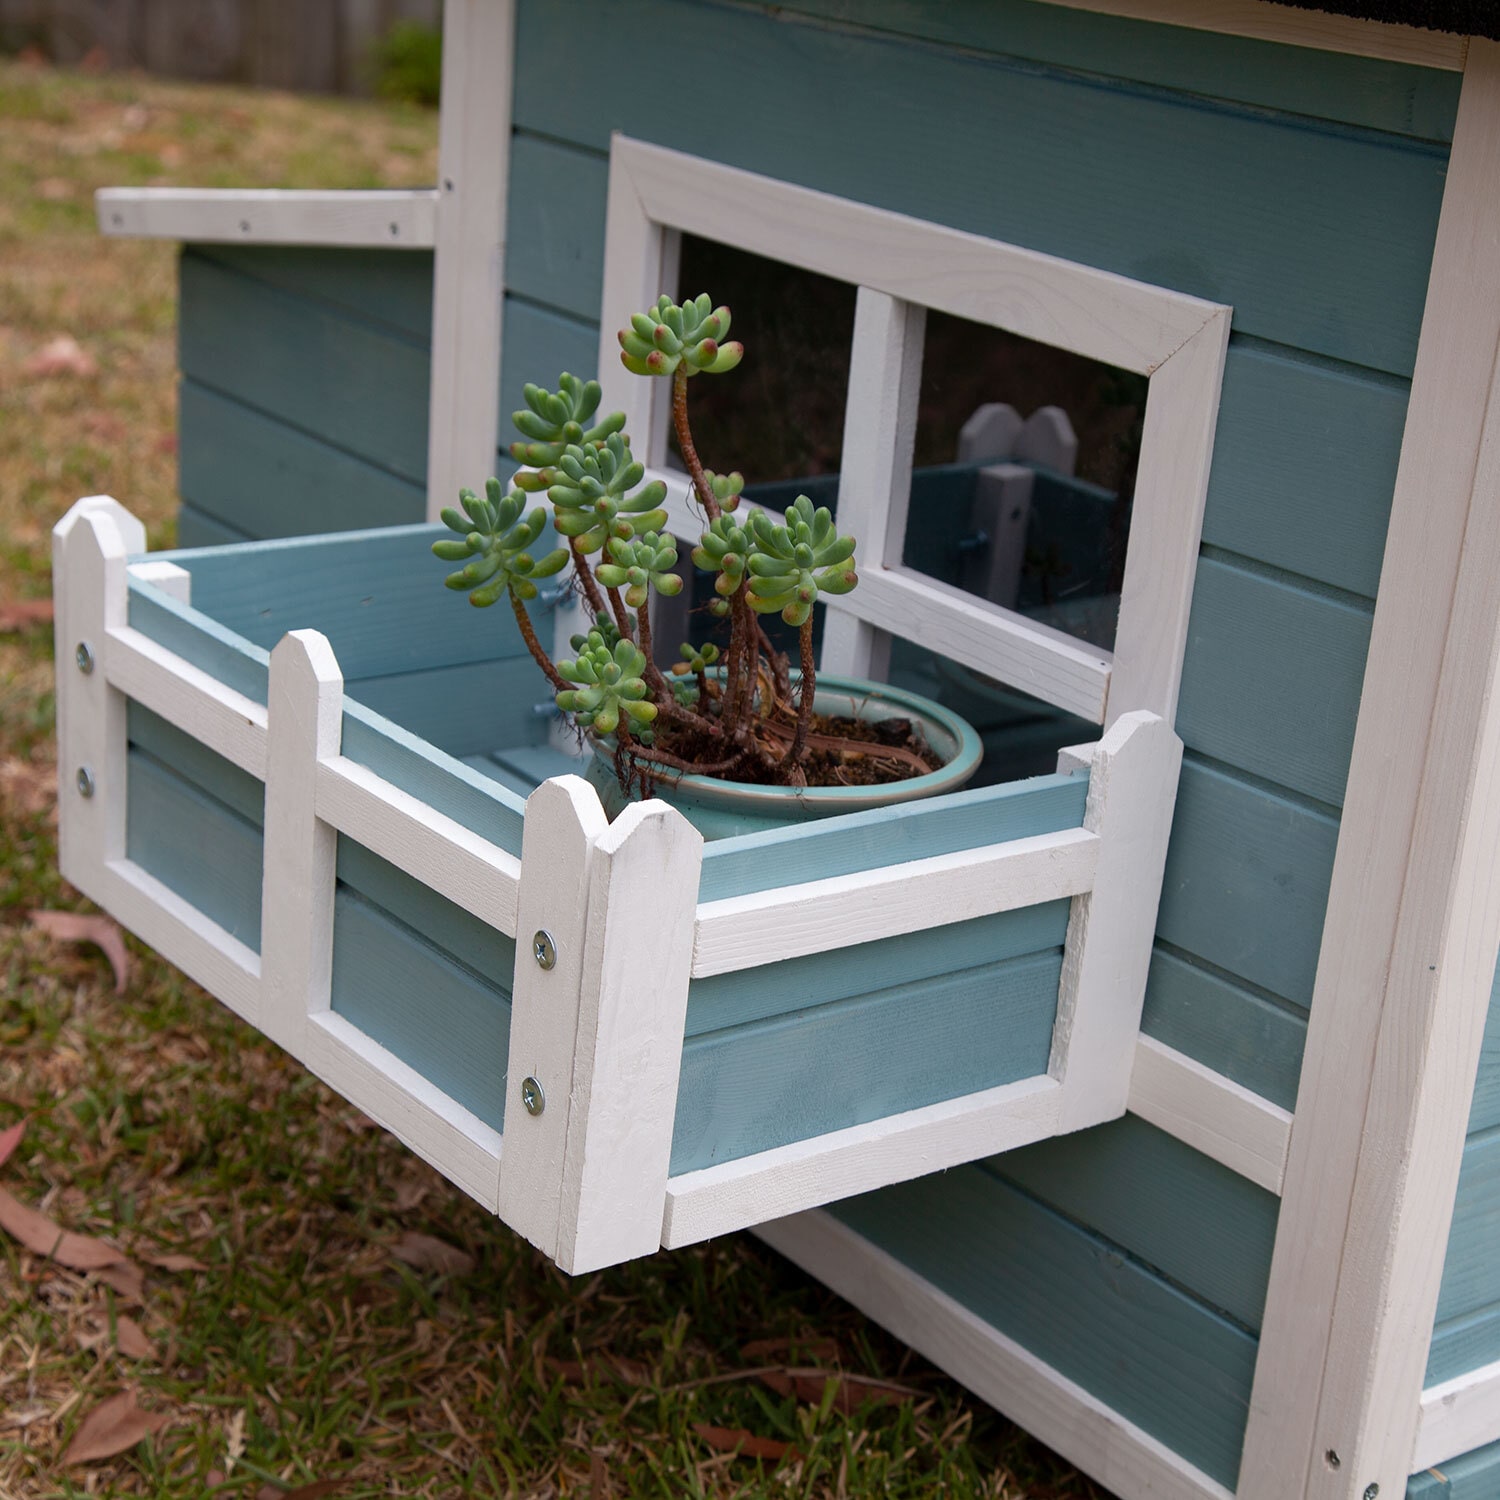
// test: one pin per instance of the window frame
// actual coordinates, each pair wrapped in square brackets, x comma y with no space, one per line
[902,266]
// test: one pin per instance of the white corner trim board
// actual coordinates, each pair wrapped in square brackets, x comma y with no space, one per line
[390,218]
[903,266]
[1457,1417]
[1264,21]
[1113,1450]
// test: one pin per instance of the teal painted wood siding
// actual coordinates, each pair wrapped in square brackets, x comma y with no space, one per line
[1472,1476]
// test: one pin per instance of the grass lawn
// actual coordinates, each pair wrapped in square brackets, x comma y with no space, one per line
[320,1314]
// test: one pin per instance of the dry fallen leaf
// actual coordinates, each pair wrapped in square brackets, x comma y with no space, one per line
[313,1491]
[425,1253]
[127,1279]
[60,356]
[762,1349]
[114,1426]
[852,1391]
[41,1236]
[22,614]
[174,1262]
[234,1441]
[10,1139]
[80,927]
[130,1339]
[744,1442]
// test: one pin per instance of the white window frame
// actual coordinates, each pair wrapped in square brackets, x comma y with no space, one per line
[903,266]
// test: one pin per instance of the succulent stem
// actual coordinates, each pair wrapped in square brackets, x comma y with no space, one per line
[798,751]
[621,614]
[586,578]
[685,442]
[535,646]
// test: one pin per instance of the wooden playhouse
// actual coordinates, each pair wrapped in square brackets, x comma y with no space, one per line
[1153,1091]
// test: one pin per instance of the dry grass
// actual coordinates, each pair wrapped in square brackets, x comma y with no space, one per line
[306,1348]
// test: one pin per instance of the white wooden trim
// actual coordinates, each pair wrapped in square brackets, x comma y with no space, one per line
[468,265]
[1211,1113]
[1113,1450]
[171,578]
[388,218]
[442,1132]
[790,921]
[305,704]
[901,267]
[187,696]
[1413,921]
[431,847]
[1267,22]
[1132,790]
[825,1168]
[622,1106]
[880,428]
[1457,1417]
[207,953]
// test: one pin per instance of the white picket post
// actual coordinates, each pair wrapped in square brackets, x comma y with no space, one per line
[90,546]
[1132,786]
[304,725]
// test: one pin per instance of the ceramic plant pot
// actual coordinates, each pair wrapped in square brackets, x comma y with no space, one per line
[720,809]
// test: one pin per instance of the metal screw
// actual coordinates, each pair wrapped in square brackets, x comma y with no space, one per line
[1371,1491]
[543,949]
[84,656]
[532,1096]
[1331,1458]
[85,780]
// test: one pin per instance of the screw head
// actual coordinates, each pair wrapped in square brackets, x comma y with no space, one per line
[85,780]
[84,656]
[543,949]
[1371,1491]
[532,1096]
[1332,1459]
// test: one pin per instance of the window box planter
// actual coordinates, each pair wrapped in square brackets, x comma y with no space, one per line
[611,1034]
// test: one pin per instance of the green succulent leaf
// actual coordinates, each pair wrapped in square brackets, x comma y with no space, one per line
[639,564]
[495,540]
[554,419]
[591,494]
[797,560]
[695,659]
[608,685]
[669,337]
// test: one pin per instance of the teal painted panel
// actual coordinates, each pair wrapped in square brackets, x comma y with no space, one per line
[461,935]
[1246,883]
[196,528]
[1249,1037]
[889,835]
[1485,1110]
[1304,466]
[464,709]
[480,803]
[1353,90]
[487,765]
[196,638]
[1151,1351]
[347,382]
[538,345]
[781,1080]
[264,479]
[1462,1344]
[195,846]
[1203,1227]
[377,595]
[559,256]
[1319,239]
[1271,679]
[1473,1476]
[1471,1267]
[446,1021]
[243,794]
[728,1000]
[370,285]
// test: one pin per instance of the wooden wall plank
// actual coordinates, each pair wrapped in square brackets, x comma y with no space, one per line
[199,640]
[1471,1267]
[243,794]
[829,1066]
[195,846]
[1485,1110]
[372,286]
[1248,1037]
[1206,1228]
[1155,1354]
[1304,465]
[354,385]
[263,478]
[1271,679]
[558,258]
[463,710]
[1319,239]
[458,1037]
[1238,848]
[1472,1476]
[1464,1343]
[196,528]
[1380,95]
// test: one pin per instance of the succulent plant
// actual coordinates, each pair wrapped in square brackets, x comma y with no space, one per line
[610,685]
[796,561]
[724,548]
[495,538]
[555,419]
[590,493]
[695,658]
[689,337]
[639,564]
[726,488]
